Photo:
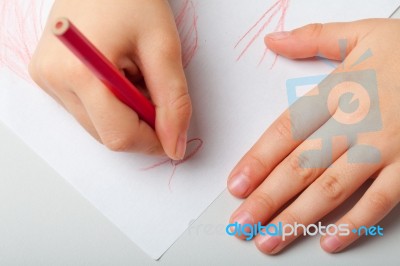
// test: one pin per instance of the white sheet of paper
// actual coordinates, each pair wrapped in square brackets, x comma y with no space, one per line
[234,101]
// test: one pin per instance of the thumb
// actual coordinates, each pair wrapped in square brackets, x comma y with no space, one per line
[165,79]
[317,40]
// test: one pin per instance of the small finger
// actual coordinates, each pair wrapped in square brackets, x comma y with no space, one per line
[381,197]
[334,186]
[297,171]
[295,125]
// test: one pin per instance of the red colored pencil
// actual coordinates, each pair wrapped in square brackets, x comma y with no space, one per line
[104,70]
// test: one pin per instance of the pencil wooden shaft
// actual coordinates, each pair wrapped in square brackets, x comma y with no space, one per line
[120,86]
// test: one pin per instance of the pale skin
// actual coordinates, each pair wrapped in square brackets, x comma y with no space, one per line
[269,175]
[147,50]
[145,47]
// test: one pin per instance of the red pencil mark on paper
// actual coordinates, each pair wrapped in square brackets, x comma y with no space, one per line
[193,146]
[21,29]
[186,22]
[19,34]
[253,34]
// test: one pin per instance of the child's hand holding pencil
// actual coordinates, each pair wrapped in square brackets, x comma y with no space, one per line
[140,39]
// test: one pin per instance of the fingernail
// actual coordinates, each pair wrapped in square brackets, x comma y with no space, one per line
[239,185]
[268,243]
[181,146]
[278,35]
[243,217]
[331,243]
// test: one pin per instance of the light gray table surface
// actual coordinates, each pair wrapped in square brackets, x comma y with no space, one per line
[44,221]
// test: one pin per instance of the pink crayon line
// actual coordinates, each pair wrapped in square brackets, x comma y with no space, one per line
[176,163]
[156,165]
[21,21]
[192,153]
[19,35]
[279,6]
[186,22]
[182,13]
[281,22]
[254,38]
[189,34]
[279,27]
[37,21]
[191,51]
[258,21]
[16,49]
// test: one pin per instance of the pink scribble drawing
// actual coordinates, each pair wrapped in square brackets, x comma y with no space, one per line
[186,22]
[19,32]
[21,29]
[253,34]
[193,146]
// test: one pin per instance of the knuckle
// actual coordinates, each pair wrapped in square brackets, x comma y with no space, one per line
[331,187]
[347,219]
[283,127]
[348,119]
[258,163]
[289,217]
[360,114]
[118,142]
[50,72]
[153,150]
[46,70]
[263,201]
[378,202]
[301,166]
[181,103]
[42,69]
[313,29]
[76,71]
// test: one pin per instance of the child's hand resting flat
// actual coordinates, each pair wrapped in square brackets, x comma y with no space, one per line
[140,38]
[276,170]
